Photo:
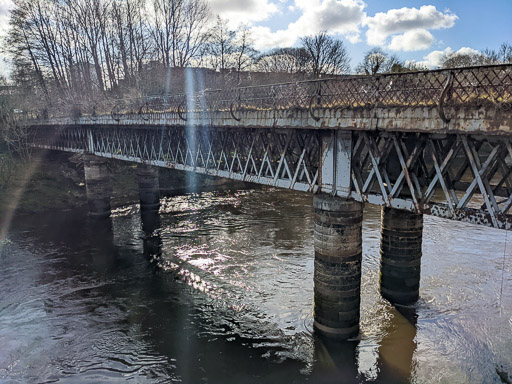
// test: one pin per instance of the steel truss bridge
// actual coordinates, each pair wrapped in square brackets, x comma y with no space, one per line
[433,142]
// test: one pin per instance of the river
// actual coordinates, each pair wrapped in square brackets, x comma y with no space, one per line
[219,289]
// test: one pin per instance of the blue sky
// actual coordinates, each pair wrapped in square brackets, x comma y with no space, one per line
[413,29]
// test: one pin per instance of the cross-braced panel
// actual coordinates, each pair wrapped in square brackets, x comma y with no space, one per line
[62,138]
[454,176]
[282,158]
[460,177]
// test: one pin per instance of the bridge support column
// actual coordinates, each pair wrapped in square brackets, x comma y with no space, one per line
[149,187]
[97,184]
[400,255]
[338,249]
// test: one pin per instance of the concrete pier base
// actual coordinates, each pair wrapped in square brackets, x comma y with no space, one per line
[338,249]
[400,255]
[149,187]
[97,184]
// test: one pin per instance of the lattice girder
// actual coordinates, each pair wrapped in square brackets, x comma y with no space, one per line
[460,177]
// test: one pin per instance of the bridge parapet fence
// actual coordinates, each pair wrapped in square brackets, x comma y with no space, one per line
[461,86]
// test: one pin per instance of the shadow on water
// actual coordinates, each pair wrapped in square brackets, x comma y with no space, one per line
[338,362]
[397,347]
[152,242]
[335,361]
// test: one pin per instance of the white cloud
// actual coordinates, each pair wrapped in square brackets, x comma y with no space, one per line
[5,6]
[405,29]
[400,24]
[467,51]
[414,40]
[243,11]
[334,16]
[435,58]
[265,39]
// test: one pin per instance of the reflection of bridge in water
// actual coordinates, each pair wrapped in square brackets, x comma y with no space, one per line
[435,142]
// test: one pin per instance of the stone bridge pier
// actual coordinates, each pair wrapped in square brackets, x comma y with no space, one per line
[99,189]
[149,187]
[338,256]
[339,245]
[98,186]
[400,255]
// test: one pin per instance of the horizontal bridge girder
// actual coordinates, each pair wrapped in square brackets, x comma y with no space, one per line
[460,177]
[484,119]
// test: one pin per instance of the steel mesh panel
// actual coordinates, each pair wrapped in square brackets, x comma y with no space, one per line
[492,84]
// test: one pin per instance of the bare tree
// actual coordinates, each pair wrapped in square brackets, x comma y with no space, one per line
[227,48]
[193,36]
[132,39]
[220,46]
[166,16]
[14,137]
[456,60]
[138,32]
[327,55]
[21,45]
[502,55]
[377,61]
[287,60]
[179,30]
[245,53]
[400,66]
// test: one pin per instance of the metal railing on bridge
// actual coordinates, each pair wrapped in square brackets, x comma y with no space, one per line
[461,86]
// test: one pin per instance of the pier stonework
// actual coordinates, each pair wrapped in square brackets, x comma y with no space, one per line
[400,250]
[149,187]
[337,276]
[98,187]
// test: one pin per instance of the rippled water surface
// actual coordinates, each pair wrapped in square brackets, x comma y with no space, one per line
[219,288]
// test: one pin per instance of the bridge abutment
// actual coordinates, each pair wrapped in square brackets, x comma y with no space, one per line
[97,184]
[338,250]
[400,250]
[149,187]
